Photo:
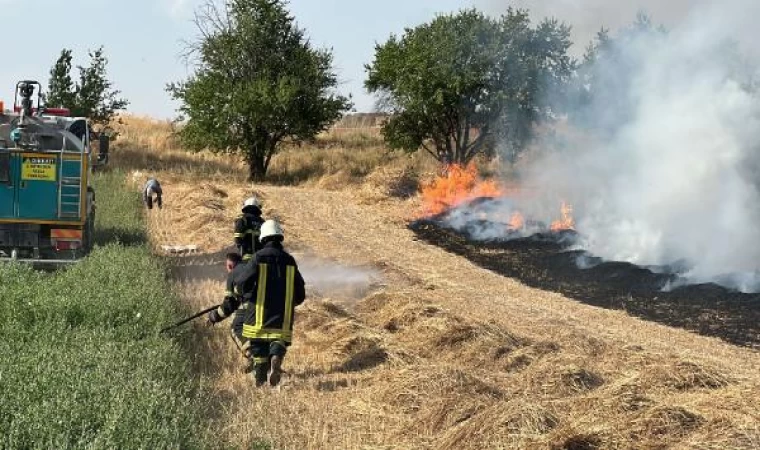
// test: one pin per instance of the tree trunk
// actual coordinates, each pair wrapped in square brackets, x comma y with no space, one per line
[257,169]
[472,149]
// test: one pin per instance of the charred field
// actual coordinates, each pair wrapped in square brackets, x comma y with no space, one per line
[547,261]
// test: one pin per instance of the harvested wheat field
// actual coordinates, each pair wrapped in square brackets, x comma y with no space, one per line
[417,347]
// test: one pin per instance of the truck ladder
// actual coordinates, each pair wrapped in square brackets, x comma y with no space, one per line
[70,197]
[70,192]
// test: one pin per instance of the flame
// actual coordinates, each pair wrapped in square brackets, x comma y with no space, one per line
[516,222]
[566,222]
[456,186]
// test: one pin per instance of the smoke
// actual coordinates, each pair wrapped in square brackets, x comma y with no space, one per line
[672,172]
[587,17]
[493,219]
[325,278]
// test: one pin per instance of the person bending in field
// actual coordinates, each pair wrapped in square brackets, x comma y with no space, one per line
[152,188]
[267,290]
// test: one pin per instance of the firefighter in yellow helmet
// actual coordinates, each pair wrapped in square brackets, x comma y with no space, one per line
[247,227]
[268,288]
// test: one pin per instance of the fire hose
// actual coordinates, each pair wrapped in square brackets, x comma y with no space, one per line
[205,311]
[194,316]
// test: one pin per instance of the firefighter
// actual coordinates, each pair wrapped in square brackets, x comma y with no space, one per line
[268,288]
[152,187]
[231,263]
[247,227]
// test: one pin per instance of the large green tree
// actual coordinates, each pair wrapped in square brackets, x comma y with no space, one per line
[466,71]
[257,82]
[91,96]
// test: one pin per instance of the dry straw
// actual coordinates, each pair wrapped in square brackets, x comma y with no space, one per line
[446,355]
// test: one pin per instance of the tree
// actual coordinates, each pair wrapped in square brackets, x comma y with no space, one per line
[61,90]
[91,96]
[257,82]
[464,72]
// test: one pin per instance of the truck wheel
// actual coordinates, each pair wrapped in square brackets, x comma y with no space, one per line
[89,225]
[89,233]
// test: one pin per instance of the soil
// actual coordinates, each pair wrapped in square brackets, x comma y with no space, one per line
[544,262]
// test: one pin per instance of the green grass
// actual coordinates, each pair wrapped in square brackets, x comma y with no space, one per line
[81,361]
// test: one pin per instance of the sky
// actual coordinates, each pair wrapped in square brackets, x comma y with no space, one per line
[143,39]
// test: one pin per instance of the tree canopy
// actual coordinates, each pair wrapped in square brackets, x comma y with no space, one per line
[257,82]
[448,83]
[91,96]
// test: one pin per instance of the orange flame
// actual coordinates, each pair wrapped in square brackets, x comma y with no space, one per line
[457,186]
[566,222]
[516,222]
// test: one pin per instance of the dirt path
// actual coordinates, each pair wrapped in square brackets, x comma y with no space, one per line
[449,355]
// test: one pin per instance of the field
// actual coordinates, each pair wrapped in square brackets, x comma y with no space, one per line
[81,362]
[418,347]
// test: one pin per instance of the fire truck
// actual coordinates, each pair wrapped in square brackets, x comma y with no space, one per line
[47,203]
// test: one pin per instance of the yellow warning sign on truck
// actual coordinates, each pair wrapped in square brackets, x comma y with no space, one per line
[38,168]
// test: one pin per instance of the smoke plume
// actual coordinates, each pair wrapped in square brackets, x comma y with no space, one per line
[671,173]
[588,16]
[326,278]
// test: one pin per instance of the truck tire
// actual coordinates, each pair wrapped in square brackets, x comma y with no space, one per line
[89,226]
[89,233]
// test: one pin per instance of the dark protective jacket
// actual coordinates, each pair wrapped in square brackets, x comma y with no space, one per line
[247,231]
[231,290]
[271,287]
[232,297]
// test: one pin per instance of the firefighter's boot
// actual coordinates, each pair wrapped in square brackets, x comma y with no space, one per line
[247,367]
[260,371]
[275,371]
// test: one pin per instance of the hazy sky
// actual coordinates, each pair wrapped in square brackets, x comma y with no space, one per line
[143,38]
[588,16]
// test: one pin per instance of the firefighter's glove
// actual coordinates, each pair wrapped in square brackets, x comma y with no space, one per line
[213,318]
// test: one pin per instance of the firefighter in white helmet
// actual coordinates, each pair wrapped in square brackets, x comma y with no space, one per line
[247,227]
[268,288]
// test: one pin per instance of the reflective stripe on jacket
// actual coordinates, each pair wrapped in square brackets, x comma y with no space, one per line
[272,287]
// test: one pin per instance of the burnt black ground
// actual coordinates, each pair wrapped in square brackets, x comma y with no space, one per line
[707,309]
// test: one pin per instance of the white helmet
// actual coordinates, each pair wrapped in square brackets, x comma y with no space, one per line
[270,228]
[251,201]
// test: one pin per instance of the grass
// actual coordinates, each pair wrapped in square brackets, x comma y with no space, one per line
[81,361]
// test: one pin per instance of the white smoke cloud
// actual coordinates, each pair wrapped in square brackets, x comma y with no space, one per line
[676,179]
[588,16]
[330,279]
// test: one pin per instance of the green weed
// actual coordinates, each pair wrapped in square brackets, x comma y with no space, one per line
[81,361]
